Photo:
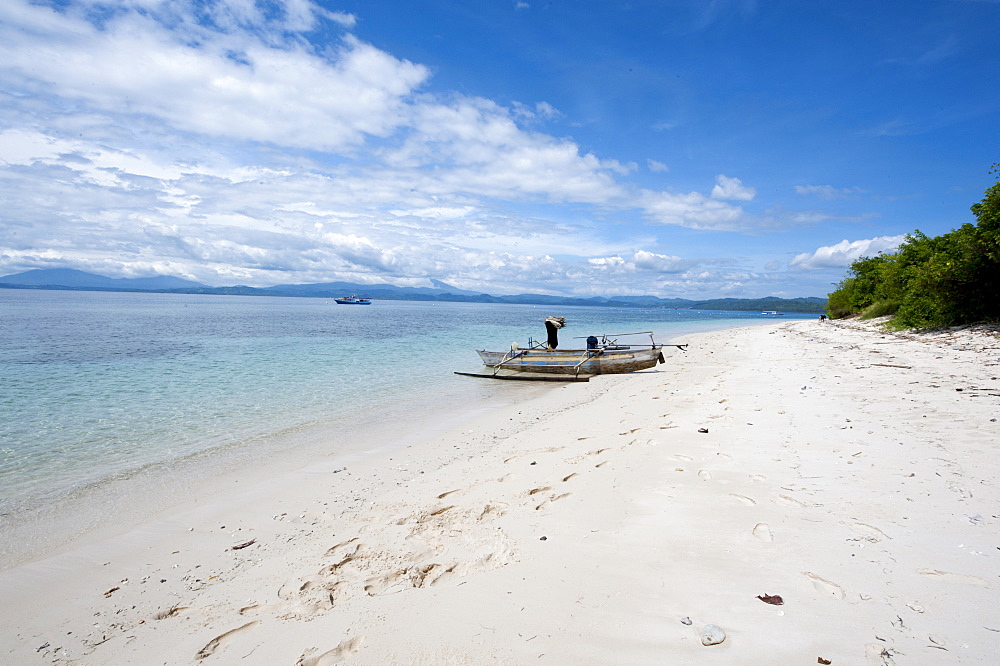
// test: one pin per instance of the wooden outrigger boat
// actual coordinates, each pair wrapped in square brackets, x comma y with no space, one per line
[602,356]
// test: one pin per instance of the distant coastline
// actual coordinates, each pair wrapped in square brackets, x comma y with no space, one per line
[72,280]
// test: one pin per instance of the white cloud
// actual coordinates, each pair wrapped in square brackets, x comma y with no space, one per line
[99,163]
[692,210]
[664,126]
[661,263]
[640,261]
[657,167]
[476,147]
[846,252]
[828,192]
[221,84]
[541,111]
[732,189]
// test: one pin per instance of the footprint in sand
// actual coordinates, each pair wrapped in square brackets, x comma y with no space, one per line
[343,567]
[743,498]
[567,478]
[289,589]
[788,501]
[824,586]
[554,498]
[523,454]
[336,655]
[877,654]
[450,492]
[950,577]
[222,640]
[869,532]
[681,456]
[535,491]
[757,478]
[417,575]
[173,611]
[763,532]
[352,544]
[423,516]
[705,474]
[428,554]
[376,585]
[336,591]
[437,512]
[585,456]
[429,574]
[306,599]
[491,511]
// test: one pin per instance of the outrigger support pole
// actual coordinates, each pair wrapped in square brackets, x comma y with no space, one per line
[509,356]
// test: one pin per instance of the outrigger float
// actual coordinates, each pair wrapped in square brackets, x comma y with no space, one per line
[543,361]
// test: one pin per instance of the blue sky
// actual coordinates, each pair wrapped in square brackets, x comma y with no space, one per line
[697,149]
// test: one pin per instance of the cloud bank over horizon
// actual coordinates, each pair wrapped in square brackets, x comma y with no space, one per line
[273,142]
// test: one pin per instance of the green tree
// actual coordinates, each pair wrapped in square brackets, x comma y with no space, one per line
[932,281]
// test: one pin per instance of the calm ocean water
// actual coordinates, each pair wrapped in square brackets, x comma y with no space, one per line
[97,386]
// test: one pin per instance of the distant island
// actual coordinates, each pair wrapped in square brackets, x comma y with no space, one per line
[69,279]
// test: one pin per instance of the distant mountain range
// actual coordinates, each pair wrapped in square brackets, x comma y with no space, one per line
[51,278]
[66,278]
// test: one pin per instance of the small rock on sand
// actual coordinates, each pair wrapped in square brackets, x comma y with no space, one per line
[712,634]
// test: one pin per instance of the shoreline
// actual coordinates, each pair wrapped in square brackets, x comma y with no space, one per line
[100,510]
[841,469]
[32,528]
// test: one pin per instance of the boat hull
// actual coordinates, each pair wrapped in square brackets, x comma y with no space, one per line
[574,361]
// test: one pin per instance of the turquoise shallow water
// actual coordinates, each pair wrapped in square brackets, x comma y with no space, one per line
[97,386]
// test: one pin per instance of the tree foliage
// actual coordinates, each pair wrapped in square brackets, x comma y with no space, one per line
[931,282]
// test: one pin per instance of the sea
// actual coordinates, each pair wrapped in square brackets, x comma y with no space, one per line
[104,393]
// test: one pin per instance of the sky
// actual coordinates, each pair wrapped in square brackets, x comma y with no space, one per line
[676,148]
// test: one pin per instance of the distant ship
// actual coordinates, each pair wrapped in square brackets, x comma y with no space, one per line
[772,312]
[354,300]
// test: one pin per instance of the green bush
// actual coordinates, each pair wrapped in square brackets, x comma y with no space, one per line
[930,282]
[838,304]
[880,309]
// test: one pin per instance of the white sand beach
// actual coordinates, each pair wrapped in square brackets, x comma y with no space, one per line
[851,472]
